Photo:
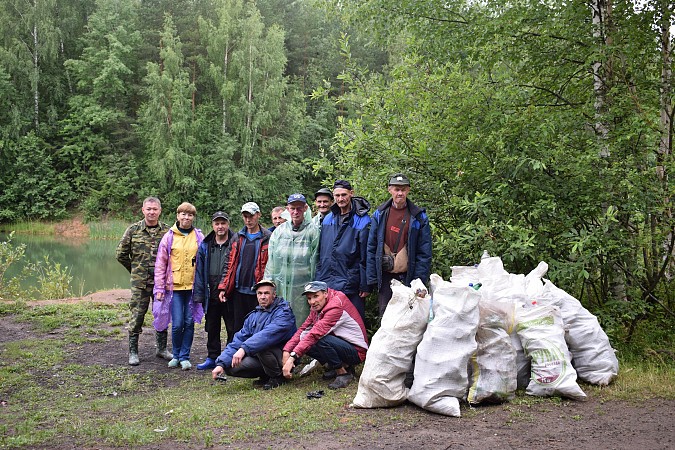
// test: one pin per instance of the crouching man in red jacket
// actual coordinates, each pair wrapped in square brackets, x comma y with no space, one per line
[333,334]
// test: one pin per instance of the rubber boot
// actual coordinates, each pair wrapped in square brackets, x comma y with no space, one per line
[133,350]
[160,342]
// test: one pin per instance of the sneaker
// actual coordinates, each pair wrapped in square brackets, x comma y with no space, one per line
[209,363]
[341,381]
[185,365]
[173,363]
[274,382]
[329,374]
[260,382]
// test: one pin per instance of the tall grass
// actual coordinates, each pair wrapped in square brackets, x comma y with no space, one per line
[29,227]
[109,229]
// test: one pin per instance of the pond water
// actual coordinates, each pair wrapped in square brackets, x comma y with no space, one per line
[92,263]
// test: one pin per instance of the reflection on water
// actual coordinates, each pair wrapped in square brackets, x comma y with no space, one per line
[92,263]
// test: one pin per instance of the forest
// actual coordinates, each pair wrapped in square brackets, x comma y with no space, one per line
[535,130]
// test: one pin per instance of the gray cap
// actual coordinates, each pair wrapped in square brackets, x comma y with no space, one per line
[251,208]
[398,179]
[315,286]
[264,283]
[220,215]
[323,191]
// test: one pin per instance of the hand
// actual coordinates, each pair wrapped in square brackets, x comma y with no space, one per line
[363,294]
[159,296]
[287,370]
[237,357]
[221,297]
[219,370]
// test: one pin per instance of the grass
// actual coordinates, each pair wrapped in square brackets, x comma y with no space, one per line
[109,229]
[50,398]
[29,227]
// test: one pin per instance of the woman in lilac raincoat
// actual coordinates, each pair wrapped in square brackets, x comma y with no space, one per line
[174,277]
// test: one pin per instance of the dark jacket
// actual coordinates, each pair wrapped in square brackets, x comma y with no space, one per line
[263,329]
[201,291]
[343,249]
[227,284]
[419,245]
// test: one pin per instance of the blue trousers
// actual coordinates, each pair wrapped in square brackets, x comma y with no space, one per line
[182,325]
[334,352]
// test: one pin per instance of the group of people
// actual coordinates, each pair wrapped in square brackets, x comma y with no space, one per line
[296,289]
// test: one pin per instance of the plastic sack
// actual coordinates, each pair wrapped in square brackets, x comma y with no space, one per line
[391,349]
[447,346]
[592,354]
[494,370]
[541,332]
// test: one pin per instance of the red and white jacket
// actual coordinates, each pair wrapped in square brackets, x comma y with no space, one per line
[338,317]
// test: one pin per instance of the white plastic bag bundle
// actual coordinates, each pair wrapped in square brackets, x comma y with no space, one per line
[541,332]
[443,355]
[592,354]
[392,348]
[494,364]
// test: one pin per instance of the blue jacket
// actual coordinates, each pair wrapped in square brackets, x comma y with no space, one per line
[201,291]
[342,249]
[263,329]
[419,245]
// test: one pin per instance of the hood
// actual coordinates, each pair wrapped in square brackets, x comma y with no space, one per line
[360,206]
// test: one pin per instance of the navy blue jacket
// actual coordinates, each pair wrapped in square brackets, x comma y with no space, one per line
[419,245]
[342,249]
[263,329]
[201,290]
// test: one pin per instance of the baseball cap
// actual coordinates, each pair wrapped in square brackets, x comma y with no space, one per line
[344,184]
[323,191]
[399,179]
[251,208]
[315,286]
[264,283]
[220,215]
[296,198]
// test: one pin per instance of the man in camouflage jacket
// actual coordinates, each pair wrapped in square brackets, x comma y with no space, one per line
[137,251]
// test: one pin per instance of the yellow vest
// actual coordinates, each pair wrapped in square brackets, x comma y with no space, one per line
[183,260]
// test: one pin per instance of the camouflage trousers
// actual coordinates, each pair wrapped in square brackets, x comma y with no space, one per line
[140,301]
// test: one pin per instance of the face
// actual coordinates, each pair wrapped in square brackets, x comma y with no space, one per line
[399,194]
[317,300]
[323,204]
[265,294]
[151,212]
[297,210]
[343,197]
[251,220]
[220,227]
[277,219]
[185,219]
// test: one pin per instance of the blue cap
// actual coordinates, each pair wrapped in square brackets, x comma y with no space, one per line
[296,198]
[315,286]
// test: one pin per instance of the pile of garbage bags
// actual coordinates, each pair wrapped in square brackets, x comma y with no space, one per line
[479,337]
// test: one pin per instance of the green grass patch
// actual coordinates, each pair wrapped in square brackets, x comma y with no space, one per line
[48,318]
[29,227]
[109,229]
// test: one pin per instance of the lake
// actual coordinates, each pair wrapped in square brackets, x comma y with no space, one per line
[92,263]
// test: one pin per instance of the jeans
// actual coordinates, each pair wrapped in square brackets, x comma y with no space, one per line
[182,325]
[264,364]
[334,352]
[360,305]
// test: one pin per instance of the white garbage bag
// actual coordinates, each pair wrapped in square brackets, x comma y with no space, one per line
[494,371]
[449,341]
[592,354]
[541,332]
[392,348]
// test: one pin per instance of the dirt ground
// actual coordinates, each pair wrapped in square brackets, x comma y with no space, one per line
[593,424]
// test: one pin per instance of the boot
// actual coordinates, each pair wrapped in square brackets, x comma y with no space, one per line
[160,343]
[133,350]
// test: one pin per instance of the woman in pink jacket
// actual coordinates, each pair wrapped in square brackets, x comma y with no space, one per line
[174,278]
